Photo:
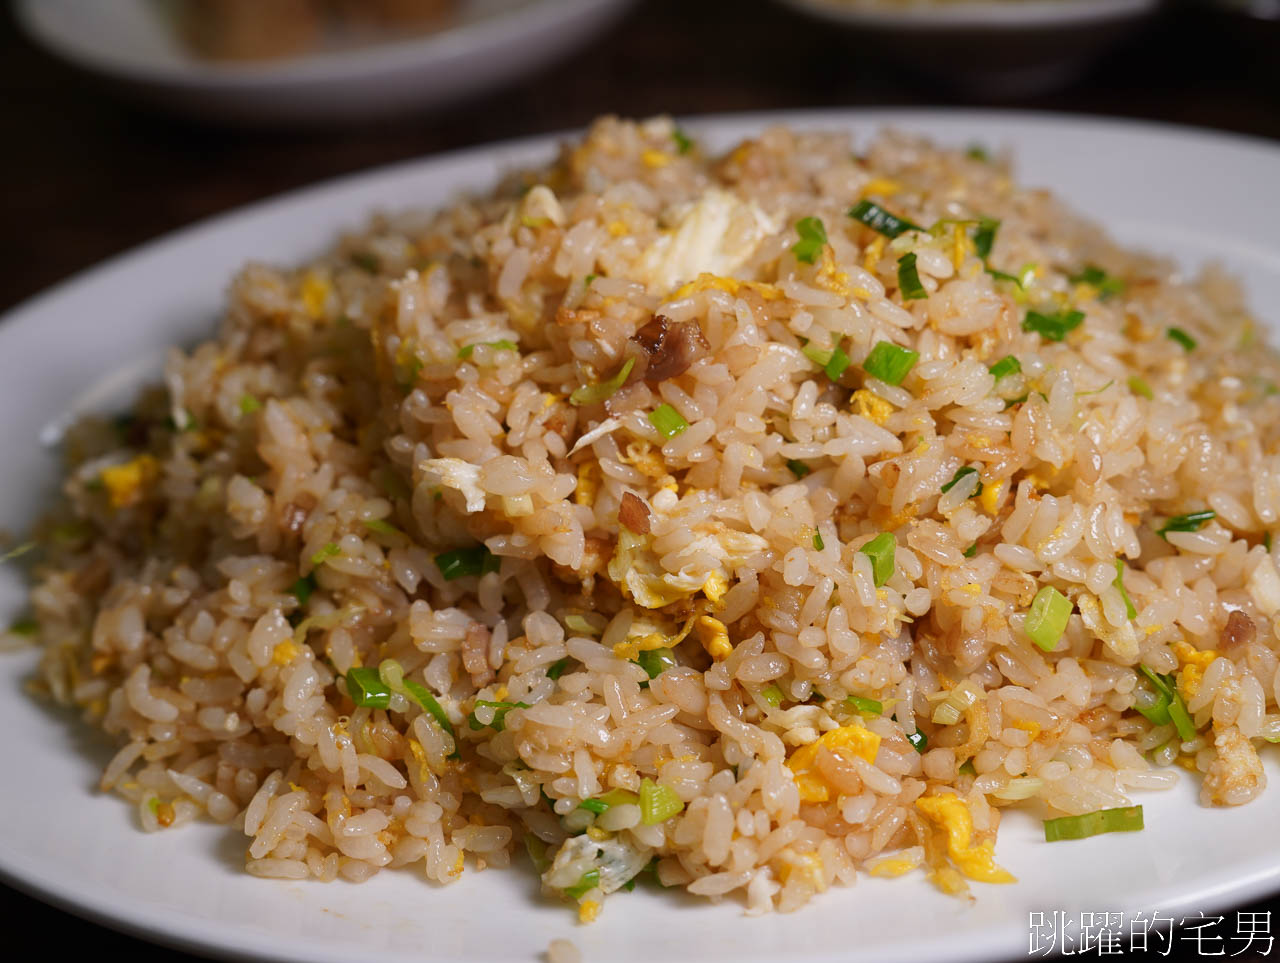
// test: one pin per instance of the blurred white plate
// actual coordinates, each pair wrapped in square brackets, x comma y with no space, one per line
[993,14]
[127,43]
[61,840]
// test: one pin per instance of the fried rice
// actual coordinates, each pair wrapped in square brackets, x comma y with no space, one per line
[738,522]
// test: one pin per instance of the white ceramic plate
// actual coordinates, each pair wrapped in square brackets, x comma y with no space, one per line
[126,43]
[986,14]
[1193,194]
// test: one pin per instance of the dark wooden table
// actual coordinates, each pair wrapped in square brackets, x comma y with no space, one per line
[86,177]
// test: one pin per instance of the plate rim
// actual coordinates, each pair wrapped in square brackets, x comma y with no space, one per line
[977,14]
[98,906]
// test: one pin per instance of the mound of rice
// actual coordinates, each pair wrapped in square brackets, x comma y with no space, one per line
[659,516]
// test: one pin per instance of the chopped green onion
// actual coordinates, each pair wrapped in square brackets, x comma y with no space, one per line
[813,236]
[461,562]
[966,768]
[604,802]
[817,541]
[881,550]
[656,661]
[1100,279]
[961,473]
[871,707]
[556,668]
[817,355]
[249,404]
[329,551]
[1158,711]
[590,880]
[25,627]
[1177,334]
[1125,819]
[1119,583]
[1139,387]
[977,152]
[683,143]
[1005,366]
[658,803]
[500,710]
[1266,541]
[971,551]
[419,694]
[919,741]
[667,420]
[889,362]
[837,365]
[798,468]
[909,278]
[367,689]
[596,806]
[1095,391]
[596,393]
[878,219]
[18,551]
[1015,401]
[537,851]
[985,237]
[586,282]
[1002,276]
[366,261]
[1181,719]
[302,589]
[1191,522]
[1047,618]
[1054,327]
[1160,682]
[502,344]
[772,695]
[381,526]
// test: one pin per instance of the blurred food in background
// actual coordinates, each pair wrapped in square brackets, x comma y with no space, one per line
[258,30]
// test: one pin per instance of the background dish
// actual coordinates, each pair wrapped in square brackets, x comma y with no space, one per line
[489,42]
[188,888]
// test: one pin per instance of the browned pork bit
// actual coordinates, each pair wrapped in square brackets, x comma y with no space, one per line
[634,513]
[667,348]
[475,654]
[1239,630]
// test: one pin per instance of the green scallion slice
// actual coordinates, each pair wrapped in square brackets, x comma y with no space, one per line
[1125,819]
[1005,366]
[1053,327]
[1191,522]
[798,468]
[772,695]
[871,707]
[971,551]
[817,542]
[1181,719]
[329,551]
[889,362]
[813,236]
[909,279]
[977,152]
[984,238]
[1119,583]
[955,479]
[589,881]
[882,551]
[366,261]
[878,219]
[556,668]
[25,627]
[1047,618]
[656,661]
[658,803]
[1139,387]
[967,769]
[667,420]
[500,710]
[596,393]
[461,562]
[605,801]
[419,694]
[302,589]
[249,404]
[1100,279]
[919,741]
[1158,711]
[837,365]
[1177,334]
[818,356]
[367,689]
[502,344]
[683,143]
[381,526]
[1266,541]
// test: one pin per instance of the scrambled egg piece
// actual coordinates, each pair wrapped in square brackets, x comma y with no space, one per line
[872,255]
[126,483]
[808,866]
[645,636]
[714,636]
[716,234]
[854,739]
[588,910]
[715,587]
[892,867]
[703,282]
[871,406]
[460,475]
[1193,662]
[285,652]
[655,158]
[315,292]
[883,186]
[990,497]
[588,484]
[950,814]
[635,569]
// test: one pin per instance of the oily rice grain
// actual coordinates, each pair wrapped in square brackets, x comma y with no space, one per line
[354,579]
